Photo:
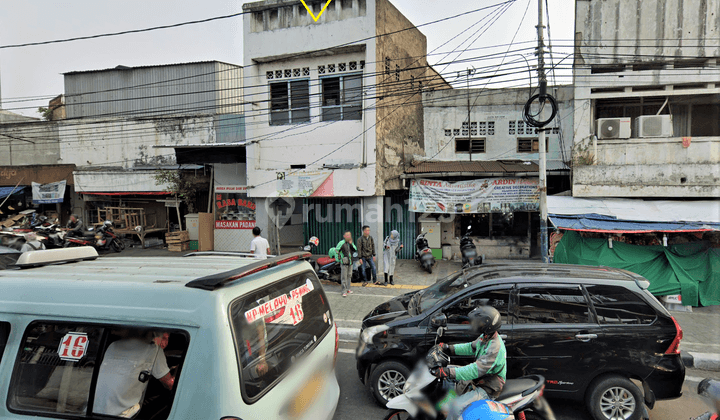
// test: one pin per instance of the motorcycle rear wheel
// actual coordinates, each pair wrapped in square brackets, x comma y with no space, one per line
[397,415]
[117,246]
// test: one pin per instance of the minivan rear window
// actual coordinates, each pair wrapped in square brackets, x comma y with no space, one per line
[618,305]
[275,326]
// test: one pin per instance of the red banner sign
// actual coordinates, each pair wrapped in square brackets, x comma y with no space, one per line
[234,224]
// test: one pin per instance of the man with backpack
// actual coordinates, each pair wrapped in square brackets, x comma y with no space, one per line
[347,254]
[32,243]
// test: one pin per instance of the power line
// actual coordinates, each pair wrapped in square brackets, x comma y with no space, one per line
[131,31]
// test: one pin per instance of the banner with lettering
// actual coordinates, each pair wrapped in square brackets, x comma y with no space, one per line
[233,208]
[305,184]
[48,193]
[489,195]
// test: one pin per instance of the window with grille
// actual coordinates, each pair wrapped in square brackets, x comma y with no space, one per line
[342,98]
[529,145]
[470,145]
[289,102]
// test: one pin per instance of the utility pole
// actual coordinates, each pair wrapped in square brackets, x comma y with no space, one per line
[541,138]
[467,78]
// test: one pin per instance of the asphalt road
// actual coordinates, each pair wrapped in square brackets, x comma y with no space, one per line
[356,402]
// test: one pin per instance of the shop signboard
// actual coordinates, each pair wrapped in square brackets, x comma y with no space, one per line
[48,193]
[305,184]
[233,208]
[489,195]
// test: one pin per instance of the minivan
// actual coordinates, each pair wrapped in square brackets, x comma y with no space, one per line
[590,331]
[229,337]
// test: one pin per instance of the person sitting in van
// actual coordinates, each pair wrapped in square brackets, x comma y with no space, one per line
[32,243]
[125,372]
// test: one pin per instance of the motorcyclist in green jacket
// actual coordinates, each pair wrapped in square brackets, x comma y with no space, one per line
[484,379]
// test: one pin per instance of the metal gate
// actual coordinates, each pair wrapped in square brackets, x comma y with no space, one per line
[397,217]
[329,218]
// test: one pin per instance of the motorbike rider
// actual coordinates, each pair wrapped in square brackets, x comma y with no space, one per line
[74,226]
[485,378]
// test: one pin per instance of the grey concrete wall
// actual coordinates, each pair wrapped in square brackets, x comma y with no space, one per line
[32,142]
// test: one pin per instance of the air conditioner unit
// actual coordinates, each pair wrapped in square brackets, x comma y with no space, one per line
[654,126]
[613,128]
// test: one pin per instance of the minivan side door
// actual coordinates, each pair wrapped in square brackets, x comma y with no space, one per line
[458,329]
[554,334]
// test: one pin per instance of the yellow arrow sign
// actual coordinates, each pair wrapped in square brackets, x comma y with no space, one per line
[310,10]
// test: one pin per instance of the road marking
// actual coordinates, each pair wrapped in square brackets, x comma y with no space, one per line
[347,341]
[348,351]
[693,379]
[348,320]
[362,294]
[389,286]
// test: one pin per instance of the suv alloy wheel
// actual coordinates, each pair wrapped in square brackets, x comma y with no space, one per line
[387,381]
[615,398]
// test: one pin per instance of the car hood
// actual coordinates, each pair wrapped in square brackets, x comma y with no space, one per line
[392,310]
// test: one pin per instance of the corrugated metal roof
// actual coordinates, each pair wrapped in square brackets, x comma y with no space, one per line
[121,67]
[486,166]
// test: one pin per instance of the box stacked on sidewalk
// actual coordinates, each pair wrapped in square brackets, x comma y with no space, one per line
[178,241]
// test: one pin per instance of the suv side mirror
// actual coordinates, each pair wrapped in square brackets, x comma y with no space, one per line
[439,321]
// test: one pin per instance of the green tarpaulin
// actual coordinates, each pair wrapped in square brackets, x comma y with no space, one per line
[691,270]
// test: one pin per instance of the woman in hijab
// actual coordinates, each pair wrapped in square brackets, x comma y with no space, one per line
[392,246]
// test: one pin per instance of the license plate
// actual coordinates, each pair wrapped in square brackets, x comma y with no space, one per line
[306,396]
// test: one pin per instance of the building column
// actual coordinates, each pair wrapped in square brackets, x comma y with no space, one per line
[372,215]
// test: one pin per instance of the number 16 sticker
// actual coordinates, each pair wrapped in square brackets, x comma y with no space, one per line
[73,346]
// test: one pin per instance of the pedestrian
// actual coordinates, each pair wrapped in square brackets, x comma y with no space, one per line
[366,248]
[259,245]
[32,243]
[346,251]
[392,246]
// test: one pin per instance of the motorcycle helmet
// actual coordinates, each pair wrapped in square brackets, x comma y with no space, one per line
[485,320]
[108,223]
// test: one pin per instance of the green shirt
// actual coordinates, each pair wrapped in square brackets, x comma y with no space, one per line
[490,362]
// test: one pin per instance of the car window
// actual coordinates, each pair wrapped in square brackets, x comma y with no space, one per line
[551,305]
[4,335]
[73,369]
[427,298]
[618,305]
[274,326]
[457,313]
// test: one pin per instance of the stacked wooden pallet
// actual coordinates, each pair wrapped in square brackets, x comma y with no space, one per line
[178,241]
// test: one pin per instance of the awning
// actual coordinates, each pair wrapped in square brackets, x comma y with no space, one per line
[128,193]
[633,216]
[5,191]
[477,168]
[608,224]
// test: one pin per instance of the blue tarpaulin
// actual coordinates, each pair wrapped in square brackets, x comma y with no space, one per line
[610,224]
[5,191]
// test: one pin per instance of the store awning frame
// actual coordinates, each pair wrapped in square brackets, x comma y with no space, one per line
[607,224]
[209,153]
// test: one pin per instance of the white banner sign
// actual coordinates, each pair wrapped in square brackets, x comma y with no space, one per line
[475,196]
[48,193]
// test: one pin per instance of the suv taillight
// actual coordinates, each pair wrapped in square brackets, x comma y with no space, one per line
[337,345]
[675,345]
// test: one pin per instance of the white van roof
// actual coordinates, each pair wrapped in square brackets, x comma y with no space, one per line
[118,287]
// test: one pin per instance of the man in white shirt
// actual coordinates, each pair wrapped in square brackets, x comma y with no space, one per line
[32,243]
[125,371]
[259,246]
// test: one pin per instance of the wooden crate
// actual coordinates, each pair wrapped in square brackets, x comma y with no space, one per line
[177,237]
[179,247]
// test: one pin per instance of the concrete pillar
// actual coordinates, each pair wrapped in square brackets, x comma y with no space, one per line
[372,216]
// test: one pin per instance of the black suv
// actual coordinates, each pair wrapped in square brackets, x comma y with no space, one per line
[587,330]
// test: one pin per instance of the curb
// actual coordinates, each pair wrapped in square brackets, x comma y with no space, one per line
[350,334]
[703,361]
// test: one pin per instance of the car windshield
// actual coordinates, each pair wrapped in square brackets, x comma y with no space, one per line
[427,298]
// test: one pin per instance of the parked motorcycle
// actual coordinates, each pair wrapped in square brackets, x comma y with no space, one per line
[423,254]
[426,397]
[328,268]
[103,239]
[50,236]
[469,253]
[709,390]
